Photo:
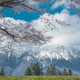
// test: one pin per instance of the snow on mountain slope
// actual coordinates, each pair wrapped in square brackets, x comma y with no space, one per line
[60,51]
[57,52]
[60,55]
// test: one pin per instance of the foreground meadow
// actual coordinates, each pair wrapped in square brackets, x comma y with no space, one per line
[39,77]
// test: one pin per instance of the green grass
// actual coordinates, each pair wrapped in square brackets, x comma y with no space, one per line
[39,77]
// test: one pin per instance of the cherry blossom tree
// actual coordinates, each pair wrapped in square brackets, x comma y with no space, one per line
[12,33]
[20,33]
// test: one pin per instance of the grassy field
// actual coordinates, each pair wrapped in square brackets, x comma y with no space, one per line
[39,77]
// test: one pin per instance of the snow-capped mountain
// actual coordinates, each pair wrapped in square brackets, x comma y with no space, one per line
[61,55]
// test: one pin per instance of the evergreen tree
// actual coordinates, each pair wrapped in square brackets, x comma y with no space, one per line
[65,72]
[2,72]
[70,72]
[41,70]
[59,73]
[10,73]
[28,71]
[31,65]
[36,69]
[48,72]
[54,70]
[51,70]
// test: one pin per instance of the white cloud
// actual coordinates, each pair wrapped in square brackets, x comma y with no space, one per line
[55,5]
[65,34]
[31,2]
[12,20]
[69,34]
[65,3]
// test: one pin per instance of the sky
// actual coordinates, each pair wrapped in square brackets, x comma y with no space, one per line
[65,35]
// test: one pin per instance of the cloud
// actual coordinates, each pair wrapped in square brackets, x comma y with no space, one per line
[17,22]
[31,2]
[55,5]
[65,34]
[65,3]
[70,34]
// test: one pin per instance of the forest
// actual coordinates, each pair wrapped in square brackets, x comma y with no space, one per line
[52,70]
[37,70]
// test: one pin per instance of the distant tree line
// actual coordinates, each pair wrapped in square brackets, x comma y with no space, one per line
[37,70]
[52,70]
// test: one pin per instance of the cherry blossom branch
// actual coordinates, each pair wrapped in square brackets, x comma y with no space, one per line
[20,33]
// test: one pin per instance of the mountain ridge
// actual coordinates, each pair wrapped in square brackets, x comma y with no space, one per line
[60,55]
